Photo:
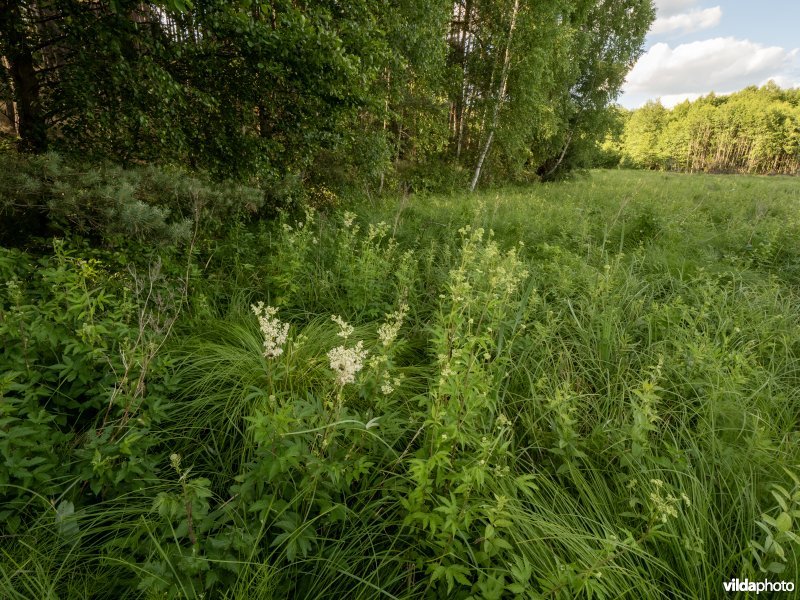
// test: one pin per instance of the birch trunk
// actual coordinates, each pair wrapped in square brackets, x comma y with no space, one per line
[503,83]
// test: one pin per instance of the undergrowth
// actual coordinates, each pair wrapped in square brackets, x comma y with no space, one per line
[582,390]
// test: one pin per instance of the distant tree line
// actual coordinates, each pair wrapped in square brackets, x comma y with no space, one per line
[756,130]
[372,90]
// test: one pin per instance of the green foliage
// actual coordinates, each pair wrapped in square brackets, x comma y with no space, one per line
[80,349]
[600,401]
[756,130]
[779,534]
[45,195]
[362,94]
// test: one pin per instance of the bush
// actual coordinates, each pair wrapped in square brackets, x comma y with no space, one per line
[44,195]
[82,379]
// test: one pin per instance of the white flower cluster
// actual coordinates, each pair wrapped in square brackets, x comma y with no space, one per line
[389,385]
[501,421]
[274,332]
[388,331]
[664,508]
[345,330]
[346,362]
[349,218]
[378,231]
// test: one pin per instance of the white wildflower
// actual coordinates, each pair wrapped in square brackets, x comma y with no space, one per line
[377,231]
[346,362]
[349,218]
[274,332]
[664,507]
[345,330]
[387,332]
[175,461]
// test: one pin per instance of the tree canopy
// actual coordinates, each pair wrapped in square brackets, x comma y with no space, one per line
[755,130]
[319,89]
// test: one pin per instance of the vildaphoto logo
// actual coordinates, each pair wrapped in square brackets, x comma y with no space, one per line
[745,585]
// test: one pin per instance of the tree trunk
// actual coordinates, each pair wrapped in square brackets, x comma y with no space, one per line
[32,128]
[461,103]
[503,83]
[560,158]
[10,112]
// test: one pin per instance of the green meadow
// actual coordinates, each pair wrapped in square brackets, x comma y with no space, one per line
[586,389]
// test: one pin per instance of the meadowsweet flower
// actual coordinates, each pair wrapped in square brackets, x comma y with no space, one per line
[175,461]
[274,332]
[345,330]
[501,471]
[346,362]
[348,218]
[387,332]
[664,507]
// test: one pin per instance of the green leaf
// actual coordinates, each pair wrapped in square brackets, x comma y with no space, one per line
[784,522]
[775,567]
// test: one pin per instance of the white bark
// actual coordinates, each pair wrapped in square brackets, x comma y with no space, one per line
[503,83]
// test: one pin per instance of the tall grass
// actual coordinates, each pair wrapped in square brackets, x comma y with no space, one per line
[594,392]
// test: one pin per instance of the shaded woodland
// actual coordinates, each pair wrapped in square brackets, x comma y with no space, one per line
[410,93]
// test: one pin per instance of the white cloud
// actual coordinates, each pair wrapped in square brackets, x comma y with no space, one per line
[721,64]
[668,8]
[783,80]
[687,22]
[671,100]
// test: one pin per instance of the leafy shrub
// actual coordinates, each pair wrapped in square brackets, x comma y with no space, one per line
[82,379]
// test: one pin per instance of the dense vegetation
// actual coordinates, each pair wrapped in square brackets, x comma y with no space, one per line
[756,130]
[588,389]
[252,346]
[386,94]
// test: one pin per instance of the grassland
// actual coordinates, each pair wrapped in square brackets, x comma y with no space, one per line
[588,389]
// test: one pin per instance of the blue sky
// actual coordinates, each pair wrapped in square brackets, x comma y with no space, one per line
[698,46]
